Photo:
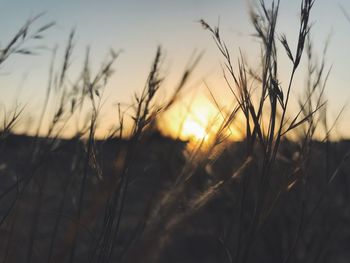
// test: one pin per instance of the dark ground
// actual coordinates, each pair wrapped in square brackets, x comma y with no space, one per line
[310,220]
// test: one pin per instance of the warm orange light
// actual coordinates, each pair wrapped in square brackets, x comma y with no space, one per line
[197,121]
[189,119]
[192,130]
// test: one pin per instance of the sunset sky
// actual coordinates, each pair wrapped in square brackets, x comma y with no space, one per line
[138,27]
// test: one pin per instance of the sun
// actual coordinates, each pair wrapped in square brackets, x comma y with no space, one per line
[196,121]
[192,121]
[192,130]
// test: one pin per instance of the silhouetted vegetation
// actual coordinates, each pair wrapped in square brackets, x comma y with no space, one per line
[278,195]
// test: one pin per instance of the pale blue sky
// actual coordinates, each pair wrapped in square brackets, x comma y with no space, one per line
[138,26]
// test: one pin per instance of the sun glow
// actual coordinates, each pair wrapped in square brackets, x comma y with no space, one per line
[191,120]
[197,121]
[192,130]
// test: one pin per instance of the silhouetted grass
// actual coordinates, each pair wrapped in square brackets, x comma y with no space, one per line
[138,196]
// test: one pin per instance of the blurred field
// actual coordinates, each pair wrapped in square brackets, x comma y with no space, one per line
[49,200]
[259,181]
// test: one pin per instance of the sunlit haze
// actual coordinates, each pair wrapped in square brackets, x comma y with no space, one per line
[138,27]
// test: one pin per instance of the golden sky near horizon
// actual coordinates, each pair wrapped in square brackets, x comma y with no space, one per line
[138,27]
